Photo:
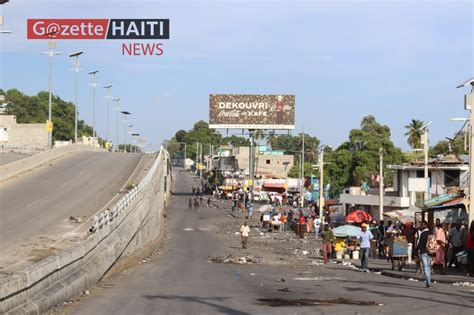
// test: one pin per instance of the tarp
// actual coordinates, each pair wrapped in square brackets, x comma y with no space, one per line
[402,215]
[346,231]
[358,216]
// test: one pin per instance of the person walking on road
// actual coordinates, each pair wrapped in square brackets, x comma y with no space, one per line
[317,226]
[328,240]
[244,231]
[190,204]
[365,237]
[423,252]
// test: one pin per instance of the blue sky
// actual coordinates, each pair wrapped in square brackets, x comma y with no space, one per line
[343,60]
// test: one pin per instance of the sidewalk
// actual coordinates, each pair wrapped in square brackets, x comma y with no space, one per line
[385,267]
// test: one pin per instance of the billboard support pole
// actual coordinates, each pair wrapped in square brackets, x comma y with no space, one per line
[251,164]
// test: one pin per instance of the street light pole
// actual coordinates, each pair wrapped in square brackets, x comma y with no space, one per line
[381,188]
[126,114]
[425,150]
[94,85]
[77,64]
[321,179]
[117,108]
[50,53]
[108,96]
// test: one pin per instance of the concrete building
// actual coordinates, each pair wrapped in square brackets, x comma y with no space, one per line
[269,163]
[447,175]
[33,136]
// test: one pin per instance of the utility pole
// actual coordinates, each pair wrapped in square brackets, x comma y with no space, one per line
[302,173]
[321,180]
[381,186]
[251,163]
[425,149]
[468,105]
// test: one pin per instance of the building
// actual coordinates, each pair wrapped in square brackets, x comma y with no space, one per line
[32,136]
[268,163]
[446,175]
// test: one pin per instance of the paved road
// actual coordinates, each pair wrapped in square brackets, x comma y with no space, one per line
[182,281]
[9,157]
[77,185]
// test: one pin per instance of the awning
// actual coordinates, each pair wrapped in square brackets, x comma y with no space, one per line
[460,201]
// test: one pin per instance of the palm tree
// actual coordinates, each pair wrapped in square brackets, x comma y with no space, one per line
[414,133]
[271,140]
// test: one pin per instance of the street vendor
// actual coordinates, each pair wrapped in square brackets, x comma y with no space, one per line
[328,240]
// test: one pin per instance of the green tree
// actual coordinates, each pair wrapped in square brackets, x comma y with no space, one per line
[236,141]
[454,146]
[34,109]
[414,133]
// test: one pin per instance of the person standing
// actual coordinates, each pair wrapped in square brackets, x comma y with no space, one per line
[440,258]
[244,231]
[422,252]
[470,249]
[456,239]
[409,233]
[328,240]
[190,204]
[317,226]
[380,240]
[365,237]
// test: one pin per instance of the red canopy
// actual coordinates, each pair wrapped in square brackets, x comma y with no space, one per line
[358,216]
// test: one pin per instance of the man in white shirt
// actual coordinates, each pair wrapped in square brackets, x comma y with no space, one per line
[244,231]
[317,225]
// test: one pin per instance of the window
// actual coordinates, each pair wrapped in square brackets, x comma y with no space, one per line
[451,178]
[268,161]
[421,174]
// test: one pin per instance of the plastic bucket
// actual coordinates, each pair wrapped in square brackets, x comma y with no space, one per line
[355,254]
[347,256]
[338,255]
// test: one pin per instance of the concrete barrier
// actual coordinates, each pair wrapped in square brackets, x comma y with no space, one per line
[20,166]
[61,277]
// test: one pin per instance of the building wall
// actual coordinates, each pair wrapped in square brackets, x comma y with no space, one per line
[29,135]
[275,166]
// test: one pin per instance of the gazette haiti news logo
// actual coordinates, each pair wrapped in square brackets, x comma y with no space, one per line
[100,29]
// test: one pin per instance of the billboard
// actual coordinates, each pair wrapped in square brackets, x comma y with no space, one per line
[250,111]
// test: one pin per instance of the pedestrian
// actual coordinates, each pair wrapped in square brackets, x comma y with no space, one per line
[244,231]
[301,226]
[381,238]
[209,201]
[440,258]
[409,233]
[424,252]
[250,210]
[456,240]
[373,242]
[196,203]
[365,237]
[317,226]
[190,204]
[470,249]
[328,240]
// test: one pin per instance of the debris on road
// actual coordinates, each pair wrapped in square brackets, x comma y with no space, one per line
[464,284]
[230,259]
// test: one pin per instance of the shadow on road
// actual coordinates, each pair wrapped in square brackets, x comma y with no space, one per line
[200,300]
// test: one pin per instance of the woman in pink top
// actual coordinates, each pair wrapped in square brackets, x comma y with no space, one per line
[440,248]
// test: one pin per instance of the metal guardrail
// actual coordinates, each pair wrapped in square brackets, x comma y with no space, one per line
[103,218]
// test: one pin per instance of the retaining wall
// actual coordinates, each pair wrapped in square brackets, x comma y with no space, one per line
[134,221]
[15,168]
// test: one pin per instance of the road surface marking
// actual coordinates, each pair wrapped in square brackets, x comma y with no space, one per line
[33,203]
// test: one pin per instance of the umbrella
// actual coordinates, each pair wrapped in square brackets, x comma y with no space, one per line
[358,216]
[346,231]
[265,208]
